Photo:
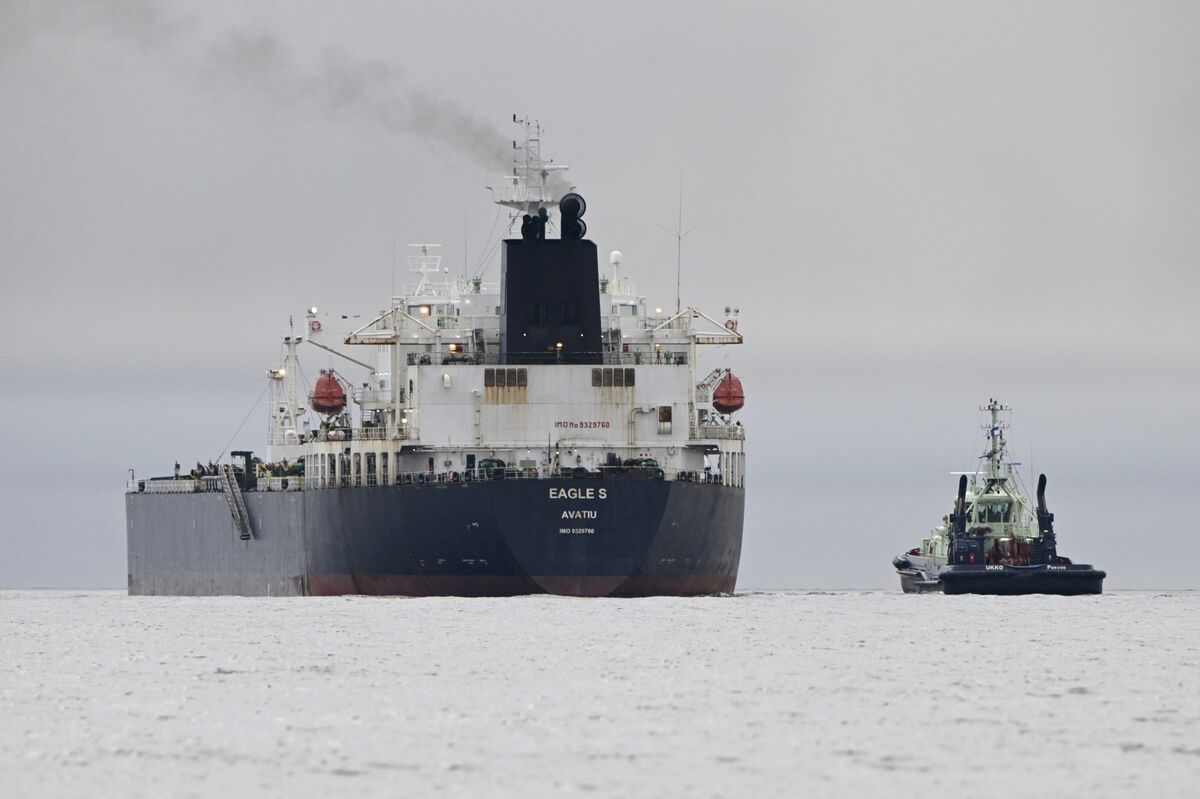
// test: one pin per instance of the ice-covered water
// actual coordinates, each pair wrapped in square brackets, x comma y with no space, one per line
[760,694]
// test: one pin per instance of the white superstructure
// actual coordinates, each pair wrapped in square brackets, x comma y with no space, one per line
[432,400]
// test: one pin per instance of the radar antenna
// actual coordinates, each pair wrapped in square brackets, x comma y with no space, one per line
[425,264]
[535,182]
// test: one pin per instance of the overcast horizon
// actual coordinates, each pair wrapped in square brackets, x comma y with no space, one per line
[915,208]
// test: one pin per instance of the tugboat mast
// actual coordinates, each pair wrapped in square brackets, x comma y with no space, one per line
[997,470]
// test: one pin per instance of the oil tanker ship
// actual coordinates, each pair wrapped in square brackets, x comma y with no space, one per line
[549,433]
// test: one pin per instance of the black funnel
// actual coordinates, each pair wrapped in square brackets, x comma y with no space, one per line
[958,519]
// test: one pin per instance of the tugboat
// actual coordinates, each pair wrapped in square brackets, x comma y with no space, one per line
[994,542]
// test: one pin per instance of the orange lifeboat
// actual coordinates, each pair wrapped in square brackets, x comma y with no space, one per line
[729,396]
[328,396]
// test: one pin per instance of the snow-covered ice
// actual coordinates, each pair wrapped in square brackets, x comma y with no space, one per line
[760,694]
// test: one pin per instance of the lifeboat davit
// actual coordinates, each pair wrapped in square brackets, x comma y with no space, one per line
[328,396]
[729,396]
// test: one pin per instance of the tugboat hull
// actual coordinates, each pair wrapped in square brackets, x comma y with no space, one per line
[921,575]
[917,575]
[1070,580]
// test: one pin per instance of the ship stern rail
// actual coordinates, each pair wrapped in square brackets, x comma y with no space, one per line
[296,483]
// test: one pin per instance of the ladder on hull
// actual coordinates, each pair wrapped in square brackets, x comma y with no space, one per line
[237,504]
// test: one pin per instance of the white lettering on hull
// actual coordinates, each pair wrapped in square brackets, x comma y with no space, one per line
[578,493]
[579,514]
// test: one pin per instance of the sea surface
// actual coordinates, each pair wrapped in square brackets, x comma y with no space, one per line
[758,694]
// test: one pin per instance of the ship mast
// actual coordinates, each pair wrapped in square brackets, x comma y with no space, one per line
[286,412]
[997,446]
[535,182]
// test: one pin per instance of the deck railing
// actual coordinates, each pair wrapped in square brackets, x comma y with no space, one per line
[207,485]
[202,485]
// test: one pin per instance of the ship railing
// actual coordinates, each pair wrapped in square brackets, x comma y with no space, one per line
[720,431]
[645,357]
[213,485]
[289,483]
[359,434]
[485,474]
[207,485]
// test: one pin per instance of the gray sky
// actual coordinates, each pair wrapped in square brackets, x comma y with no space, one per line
[916,206]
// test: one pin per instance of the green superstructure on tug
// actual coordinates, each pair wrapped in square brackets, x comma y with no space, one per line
[994,541]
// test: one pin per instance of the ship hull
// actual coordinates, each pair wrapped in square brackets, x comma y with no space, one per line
[923,575]
[610,537]
[1073,580]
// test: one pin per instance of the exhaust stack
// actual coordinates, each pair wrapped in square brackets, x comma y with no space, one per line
[958,519]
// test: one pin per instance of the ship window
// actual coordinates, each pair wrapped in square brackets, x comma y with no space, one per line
[536,314]
[522,377]
[489,377]
[357,469]
[501,378]
[512,378]
[618,377]
[370,468]
[628,377]
[608,377]
[596,377]
[383,468]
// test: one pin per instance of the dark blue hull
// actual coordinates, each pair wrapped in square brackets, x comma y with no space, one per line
[1063,580]
[610,537]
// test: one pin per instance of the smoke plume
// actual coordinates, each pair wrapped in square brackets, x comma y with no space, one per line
[256,62]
